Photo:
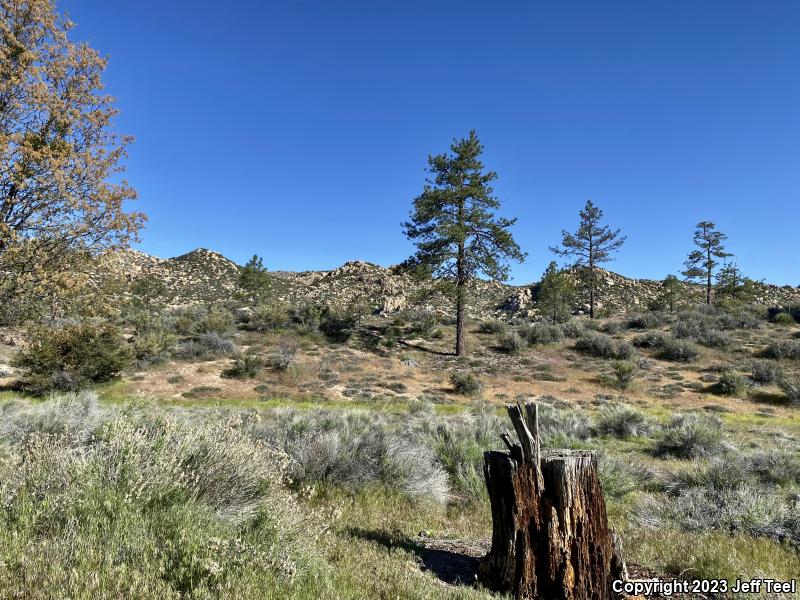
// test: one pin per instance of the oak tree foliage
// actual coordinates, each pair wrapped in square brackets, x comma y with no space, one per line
[61,193]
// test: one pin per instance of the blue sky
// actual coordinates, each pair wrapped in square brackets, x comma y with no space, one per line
[299,130]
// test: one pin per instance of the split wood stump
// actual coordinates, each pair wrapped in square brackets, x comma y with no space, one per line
[550,537]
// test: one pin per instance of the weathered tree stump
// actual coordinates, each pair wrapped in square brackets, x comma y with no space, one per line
[550,538]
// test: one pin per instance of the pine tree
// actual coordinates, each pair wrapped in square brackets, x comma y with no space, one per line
[733,287]
[701,263]
[454,228]
[556,293]
[254,279]
[591,245]
[672,292]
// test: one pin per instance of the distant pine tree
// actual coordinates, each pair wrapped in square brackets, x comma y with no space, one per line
[454,227]
[701,263]
[672,293]
[591,245]
[733,287]
[254,280]
[556,293]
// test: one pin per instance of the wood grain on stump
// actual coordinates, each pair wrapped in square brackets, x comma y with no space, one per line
[550,538]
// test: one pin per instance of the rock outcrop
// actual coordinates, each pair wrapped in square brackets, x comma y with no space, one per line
[203,276]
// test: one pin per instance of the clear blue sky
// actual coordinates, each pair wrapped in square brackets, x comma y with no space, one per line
[299,130]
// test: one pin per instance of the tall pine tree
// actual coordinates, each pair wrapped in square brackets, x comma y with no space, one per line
[591,245]
[701,263]
[454,228]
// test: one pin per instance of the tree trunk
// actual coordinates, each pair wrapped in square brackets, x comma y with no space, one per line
[550,537]
[461,279]
[708,280]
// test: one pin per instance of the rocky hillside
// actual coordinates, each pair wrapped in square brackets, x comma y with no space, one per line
[203,276]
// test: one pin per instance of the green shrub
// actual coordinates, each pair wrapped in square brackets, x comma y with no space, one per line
[153,342]
[217,319]
[652,339]
[791,387]
[764,372]
[612,327]
[268,316]
[495,327]
[783,318]
[542,333]
[784,349]
[72,357]
[572,329]
[731,383]
[649,320]
[621,420]
[206,346]
[465,383]
[691,436]
[244,366]
[678,350]
[192,510]
[714,339]
[338,324]
[423,322]
[512,343]
[603,346]
[624,373]
[622,477]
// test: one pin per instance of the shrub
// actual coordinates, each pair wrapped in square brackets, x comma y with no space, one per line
[648,320]
[153,342]
[621,420]
[206,346]
[512,343]
[791,387]
[307,316]
[338,324]
[217,319]
[678,350]
[423,322]
[542,333]
[603,346]
[764,372]
[266,317]
[691,436]
[572,329]
[495,327]
[244,366]
[612,327]
[283,355]
[465,383]
[731,383]
[624,373]
[353,449]
[620,478]
[562,428]
[714,339]
[72,357]
[194,508]
[783,318]
[779,466]
[652,339]
[784,349]
[748,509]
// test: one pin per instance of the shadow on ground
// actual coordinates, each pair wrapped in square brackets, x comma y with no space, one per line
[454,562]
